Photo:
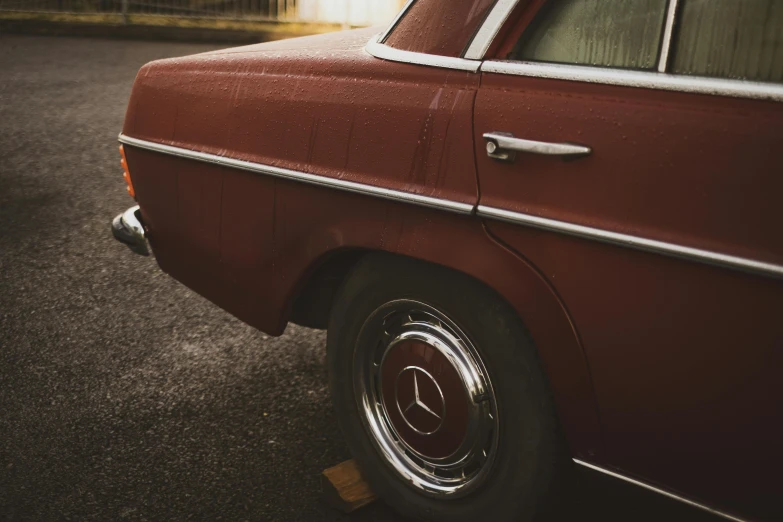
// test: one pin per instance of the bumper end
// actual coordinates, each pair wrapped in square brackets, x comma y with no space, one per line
[127,229]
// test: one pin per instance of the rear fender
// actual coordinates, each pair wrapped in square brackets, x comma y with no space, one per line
[312,223]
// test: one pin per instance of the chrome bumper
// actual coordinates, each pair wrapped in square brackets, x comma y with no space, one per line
[127,229]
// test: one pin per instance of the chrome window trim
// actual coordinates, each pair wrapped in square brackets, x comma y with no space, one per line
[658,490]
[668,31]
[659,80]
[303,177]
[633,242]
[396,21]
[383,51]
[640,79]
[489,29]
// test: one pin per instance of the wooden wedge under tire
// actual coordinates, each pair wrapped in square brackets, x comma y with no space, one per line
[440,395]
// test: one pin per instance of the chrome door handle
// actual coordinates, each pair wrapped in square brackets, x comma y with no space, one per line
[504,147]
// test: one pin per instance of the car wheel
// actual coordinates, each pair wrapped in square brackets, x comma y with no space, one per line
[440,395]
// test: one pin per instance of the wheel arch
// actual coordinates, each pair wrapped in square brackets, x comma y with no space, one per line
[475,254]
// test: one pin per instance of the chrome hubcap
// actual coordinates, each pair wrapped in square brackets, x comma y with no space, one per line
[425,398]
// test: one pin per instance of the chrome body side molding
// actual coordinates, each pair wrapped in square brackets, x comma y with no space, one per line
[634,242]
[489,29]
[312,179]
[383,51]
[658,490]
[640,79]
[595,234]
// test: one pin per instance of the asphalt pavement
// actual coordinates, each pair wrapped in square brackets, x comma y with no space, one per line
[124,395]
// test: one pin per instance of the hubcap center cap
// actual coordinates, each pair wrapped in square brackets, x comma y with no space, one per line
[424,398]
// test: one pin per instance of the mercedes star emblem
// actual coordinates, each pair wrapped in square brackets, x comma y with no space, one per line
[421,417]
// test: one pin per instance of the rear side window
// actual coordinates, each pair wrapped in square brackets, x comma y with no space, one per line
[608,33]
[740,39]
[441,27]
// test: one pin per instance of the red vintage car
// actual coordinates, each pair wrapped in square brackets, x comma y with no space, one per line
[542,234]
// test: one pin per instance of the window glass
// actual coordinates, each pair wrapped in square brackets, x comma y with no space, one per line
[442,27]
[740,39]
[608,33]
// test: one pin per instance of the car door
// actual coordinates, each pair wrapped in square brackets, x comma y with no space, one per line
[648,194]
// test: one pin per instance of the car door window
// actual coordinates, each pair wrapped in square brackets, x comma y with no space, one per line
[731,39]
[609,33]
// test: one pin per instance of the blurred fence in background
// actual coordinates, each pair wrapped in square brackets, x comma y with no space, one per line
[232,9]
[349,12]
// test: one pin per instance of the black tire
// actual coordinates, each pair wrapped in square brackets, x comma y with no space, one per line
[530,458]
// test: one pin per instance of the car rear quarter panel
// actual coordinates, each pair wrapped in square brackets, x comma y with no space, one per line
[318,105]
[322,105]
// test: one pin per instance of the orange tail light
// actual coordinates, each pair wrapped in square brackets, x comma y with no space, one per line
[126,173]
